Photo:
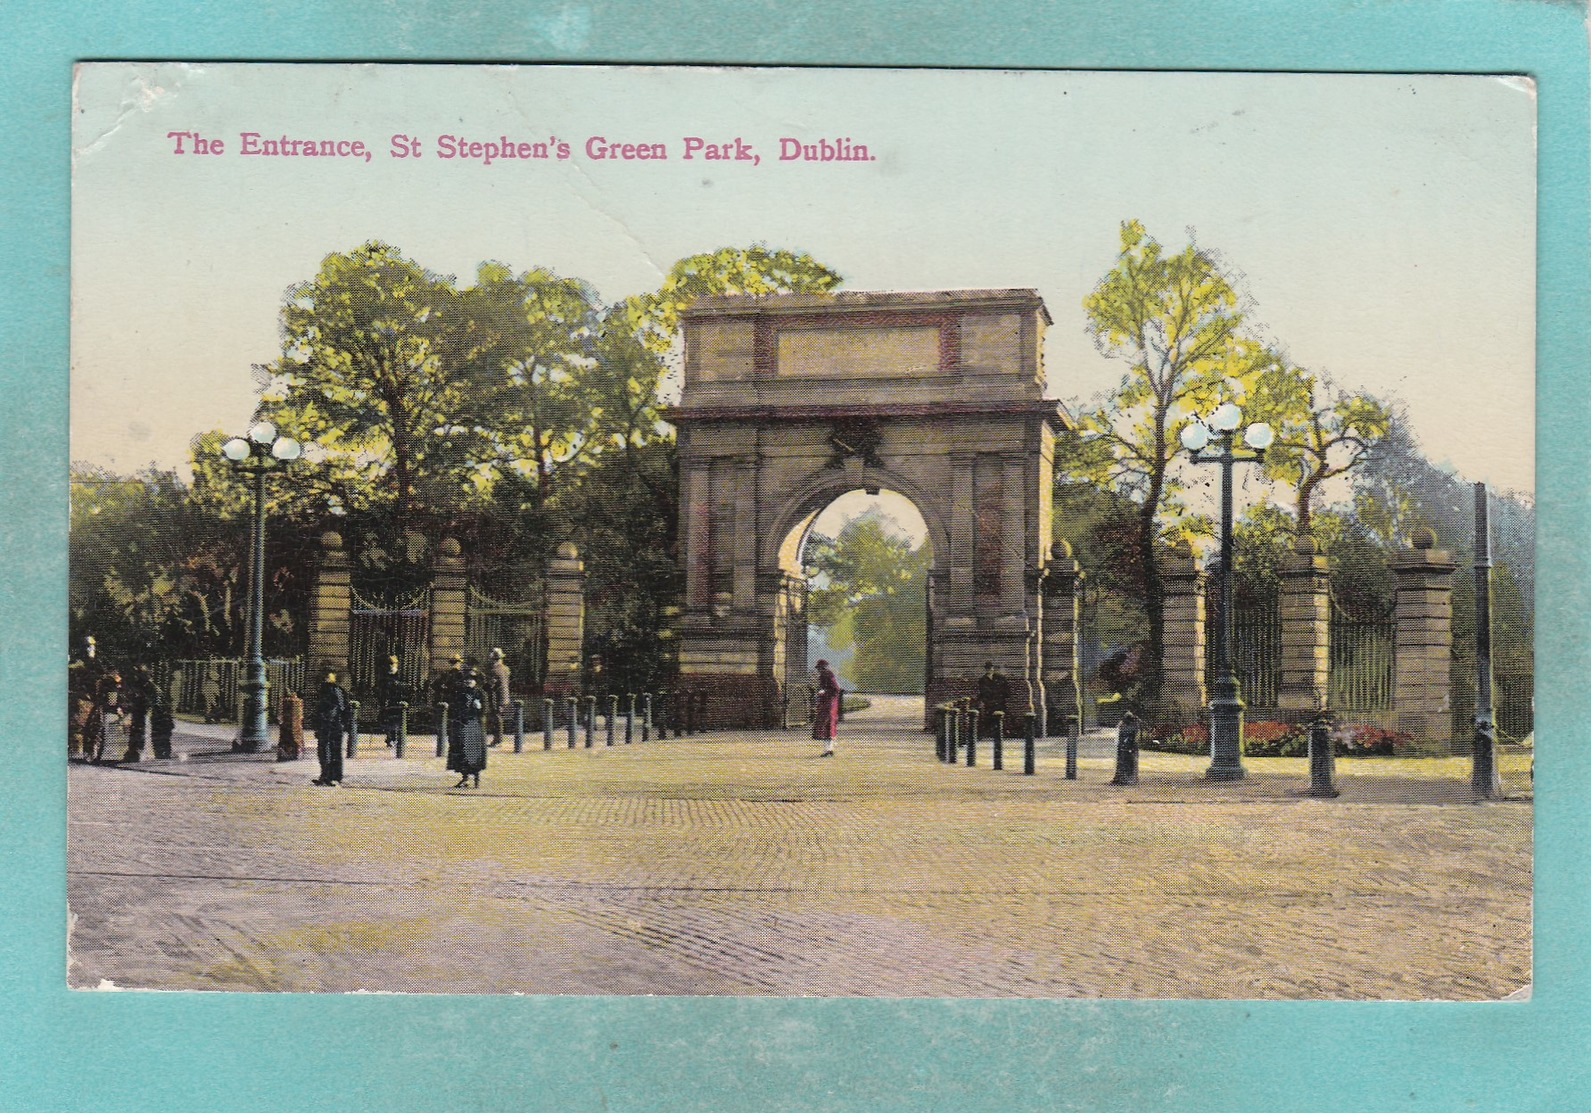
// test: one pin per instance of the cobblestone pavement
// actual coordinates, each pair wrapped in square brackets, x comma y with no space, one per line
[730,863]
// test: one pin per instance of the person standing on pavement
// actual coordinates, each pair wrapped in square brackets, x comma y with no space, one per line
[390,691]
[994,697]
[332,715]
[497,698]
[82,686]
[466,744]
[136,705]
[826,708]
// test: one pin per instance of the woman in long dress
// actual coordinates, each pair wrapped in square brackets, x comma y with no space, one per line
[826,708]
[466,747]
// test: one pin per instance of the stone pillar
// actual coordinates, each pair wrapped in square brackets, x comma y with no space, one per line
[1063,584]
[330,606]
[566,620]
[1422,699]
[448,605]
[1182,665]
[1306,646]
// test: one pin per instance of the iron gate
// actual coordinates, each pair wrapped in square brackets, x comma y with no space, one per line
[518,628]
[381,629]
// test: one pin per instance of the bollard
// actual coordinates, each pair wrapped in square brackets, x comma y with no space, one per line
[941,728]
[629,721]
[1322,760]
[646,716]
[997,760]
[1126,751]
[441,728]
[289,744]
[1029,731]
[1071,747]
[688,711]
[972,738]
[591,719]
[546,724]
[353,730]
[400,743]
[571,707]
[701,711]
[662,715]
[613,716]
[519,725]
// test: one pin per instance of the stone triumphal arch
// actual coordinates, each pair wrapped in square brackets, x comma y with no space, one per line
[792,400]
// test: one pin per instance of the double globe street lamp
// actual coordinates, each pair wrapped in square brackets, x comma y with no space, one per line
[255,456]
[1226,703]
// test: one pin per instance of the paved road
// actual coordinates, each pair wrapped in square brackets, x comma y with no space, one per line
[728,863]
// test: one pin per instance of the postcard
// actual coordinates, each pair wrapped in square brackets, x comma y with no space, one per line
[801,532]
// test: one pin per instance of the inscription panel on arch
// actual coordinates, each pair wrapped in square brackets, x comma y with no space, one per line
[862,351]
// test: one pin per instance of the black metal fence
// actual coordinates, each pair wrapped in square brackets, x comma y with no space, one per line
[1363,663]
[1256,651]
[212,688]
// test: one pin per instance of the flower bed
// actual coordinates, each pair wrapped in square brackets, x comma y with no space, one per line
[1279,738]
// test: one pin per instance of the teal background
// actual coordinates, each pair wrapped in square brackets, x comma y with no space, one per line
[133,1051]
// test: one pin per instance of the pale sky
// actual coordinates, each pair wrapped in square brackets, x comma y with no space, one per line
[1384,224]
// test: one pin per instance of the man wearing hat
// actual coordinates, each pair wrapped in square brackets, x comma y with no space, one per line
[333,712]
[497,676]
[390,691]
[450,679]
[826,708]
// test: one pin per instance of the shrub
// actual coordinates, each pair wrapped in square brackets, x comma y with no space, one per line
[1191,740]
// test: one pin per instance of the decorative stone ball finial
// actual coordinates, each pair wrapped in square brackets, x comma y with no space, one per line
[449,547]
[331,541]
[1306,545]
[567,550]
[1060,549]
[1422,539]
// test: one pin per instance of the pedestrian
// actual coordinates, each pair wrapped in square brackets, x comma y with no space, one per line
[994,697]
[333,714]
[82,685]
[136,704]
[390,691]
[466,738]
[826,708]
[449,679]
[107,709]
[161,723]
[497,696]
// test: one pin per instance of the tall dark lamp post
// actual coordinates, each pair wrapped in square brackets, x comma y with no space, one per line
[1226,703]
[254,457]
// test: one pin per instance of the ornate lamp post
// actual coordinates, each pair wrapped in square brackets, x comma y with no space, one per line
[1226,704]
[253,457]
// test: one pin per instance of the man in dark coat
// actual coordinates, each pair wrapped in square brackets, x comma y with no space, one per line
[136,704]
[466,743]
[332,715]
[497,696]
[107,707]
[994,697]
[82,686]
[390,691]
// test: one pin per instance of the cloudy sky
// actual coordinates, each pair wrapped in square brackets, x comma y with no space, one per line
[1384,225]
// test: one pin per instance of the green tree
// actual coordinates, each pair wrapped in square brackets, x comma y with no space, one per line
[1322,431]
[876,577]
[1177,321]
[370,373]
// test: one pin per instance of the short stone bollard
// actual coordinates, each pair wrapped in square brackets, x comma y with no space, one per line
[519,725]
[1029,750]
[400,743]
[662,715]
[952,734]
[1071,747]
[629,720]
[289,742]
[997,745]
[646,716]
[571,709]
[1126,751]
[591,720]
[546,724]
[613,716]
[972,738]
[1322,760]
[441,728]
[353,730]
[941,725]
